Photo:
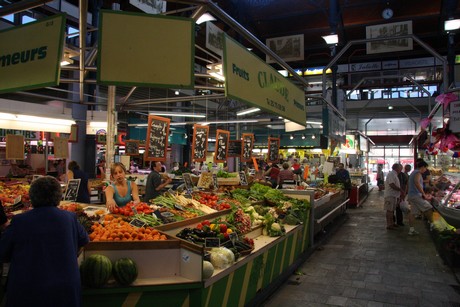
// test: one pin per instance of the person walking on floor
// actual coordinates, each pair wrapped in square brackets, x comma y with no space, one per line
[380,178]
[393,193]
[417,197]
[403,180]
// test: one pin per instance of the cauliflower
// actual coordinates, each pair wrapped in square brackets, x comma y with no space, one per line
[222,257]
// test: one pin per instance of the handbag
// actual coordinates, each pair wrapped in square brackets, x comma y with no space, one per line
[404,206]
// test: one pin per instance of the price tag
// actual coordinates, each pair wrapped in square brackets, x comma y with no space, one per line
[188,181]
[243,179]
[137,223]
[214,180]
[179,207]
[211,242]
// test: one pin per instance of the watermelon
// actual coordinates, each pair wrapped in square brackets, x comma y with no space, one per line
[95,271]
[125,271]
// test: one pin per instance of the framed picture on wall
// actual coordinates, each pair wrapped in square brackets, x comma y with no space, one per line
[392,31]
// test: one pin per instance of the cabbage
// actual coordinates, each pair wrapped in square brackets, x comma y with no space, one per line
[208,269]
[222,257]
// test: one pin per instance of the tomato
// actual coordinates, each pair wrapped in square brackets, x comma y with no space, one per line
[116,210]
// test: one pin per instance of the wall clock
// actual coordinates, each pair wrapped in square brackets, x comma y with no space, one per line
[387,13]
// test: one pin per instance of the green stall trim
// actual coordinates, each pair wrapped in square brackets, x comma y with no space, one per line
[180,295]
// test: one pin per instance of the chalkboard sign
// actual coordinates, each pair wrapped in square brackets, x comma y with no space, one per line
[188,181]
[243,178]
[234,149]
[221,152]
[71,192]
[211,242]
[156,144]
[131,148]
[200,143]
[248,144]
[273,150]
[137,223]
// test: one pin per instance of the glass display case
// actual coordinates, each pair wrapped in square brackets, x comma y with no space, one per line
[449,204]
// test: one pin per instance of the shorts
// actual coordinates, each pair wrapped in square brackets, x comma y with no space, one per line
[418,205]
[389,203]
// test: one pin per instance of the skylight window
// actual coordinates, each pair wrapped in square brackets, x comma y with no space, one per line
[27,19]
[10,17]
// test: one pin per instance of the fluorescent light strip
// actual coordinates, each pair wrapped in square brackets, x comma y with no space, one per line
[236,121]
[36,119]
[314,123]
[248,111]
[229,121]
[178,114]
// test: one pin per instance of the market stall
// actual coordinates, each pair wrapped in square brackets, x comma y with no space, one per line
[171,268]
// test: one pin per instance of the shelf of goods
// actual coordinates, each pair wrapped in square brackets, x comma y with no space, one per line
[449,205]
[446,216]
[326,204]
[171,270]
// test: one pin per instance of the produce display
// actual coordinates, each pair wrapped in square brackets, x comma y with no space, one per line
[12,193]
[250,208]
[212,200]
[116,229]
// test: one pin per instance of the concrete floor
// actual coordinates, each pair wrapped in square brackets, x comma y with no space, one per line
[363,264]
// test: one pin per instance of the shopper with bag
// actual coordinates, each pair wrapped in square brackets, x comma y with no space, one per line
[403,180]
[393,193]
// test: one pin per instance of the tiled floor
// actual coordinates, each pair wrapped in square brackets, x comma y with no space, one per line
[363,264]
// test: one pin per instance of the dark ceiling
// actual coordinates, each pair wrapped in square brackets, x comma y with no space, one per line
[348,18]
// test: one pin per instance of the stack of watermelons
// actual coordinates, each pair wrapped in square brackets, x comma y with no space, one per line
[96,270]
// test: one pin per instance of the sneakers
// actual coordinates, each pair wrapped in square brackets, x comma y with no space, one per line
[413,232]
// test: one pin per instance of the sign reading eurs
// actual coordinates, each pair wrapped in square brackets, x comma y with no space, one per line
[30,55]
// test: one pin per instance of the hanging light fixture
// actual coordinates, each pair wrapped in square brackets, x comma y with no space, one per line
[291,137]
[331,39]
[205,18]
[303,136]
